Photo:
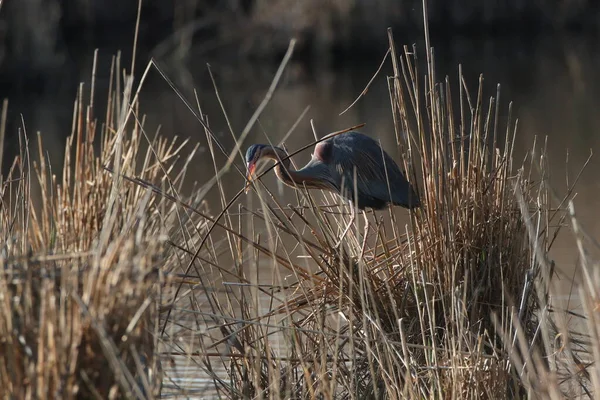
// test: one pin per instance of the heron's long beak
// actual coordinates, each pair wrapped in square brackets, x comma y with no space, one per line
[249,176]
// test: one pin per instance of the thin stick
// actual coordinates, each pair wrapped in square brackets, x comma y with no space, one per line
[135,36]
[2,129]
[366,89]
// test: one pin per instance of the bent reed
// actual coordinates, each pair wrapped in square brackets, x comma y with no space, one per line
[113,272]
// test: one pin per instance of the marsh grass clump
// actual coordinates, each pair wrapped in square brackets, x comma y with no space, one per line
[469,260]
[83,255]
[456,303]
[108,271]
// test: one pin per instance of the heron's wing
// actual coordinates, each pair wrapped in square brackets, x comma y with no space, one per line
[374,183]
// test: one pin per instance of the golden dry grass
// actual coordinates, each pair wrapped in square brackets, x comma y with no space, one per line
[456,304]
[113,271]
[82,260]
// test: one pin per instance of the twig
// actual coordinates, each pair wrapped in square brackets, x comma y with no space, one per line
[366,89]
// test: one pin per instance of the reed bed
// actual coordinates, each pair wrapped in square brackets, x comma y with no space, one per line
[456,303]
[114,284]
[83,255]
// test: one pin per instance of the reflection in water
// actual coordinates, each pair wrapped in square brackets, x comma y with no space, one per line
[552,82]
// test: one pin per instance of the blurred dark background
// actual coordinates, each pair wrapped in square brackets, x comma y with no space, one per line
[38,37]
[544,53]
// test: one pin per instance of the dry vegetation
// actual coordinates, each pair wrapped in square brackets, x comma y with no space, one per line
[103,276]
[82,259]
[456,304]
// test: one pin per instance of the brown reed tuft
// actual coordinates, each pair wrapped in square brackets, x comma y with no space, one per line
[83,257]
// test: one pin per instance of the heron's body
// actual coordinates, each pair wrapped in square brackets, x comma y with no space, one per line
[335,164]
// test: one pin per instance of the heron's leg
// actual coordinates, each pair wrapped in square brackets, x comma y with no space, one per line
[366,221]
[352,218]
[365,235]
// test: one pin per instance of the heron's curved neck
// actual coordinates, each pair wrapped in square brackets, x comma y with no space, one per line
[290,177]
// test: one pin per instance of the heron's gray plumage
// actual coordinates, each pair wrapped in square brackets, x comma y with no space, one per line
[335,163]
[379,180]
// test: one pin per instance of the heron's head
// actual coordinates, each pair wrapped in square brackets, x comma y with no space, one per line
[253,154]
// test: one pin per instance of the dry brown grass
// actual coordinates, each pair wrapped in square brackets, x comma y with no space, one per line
[454,305]
[82,259]
[110,273]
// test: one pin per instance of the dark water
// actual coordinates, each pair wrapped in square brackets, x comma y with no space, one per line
[552,81]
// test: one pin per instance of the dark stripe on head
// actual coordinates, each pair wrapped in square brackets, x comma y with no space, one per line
[252,151]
